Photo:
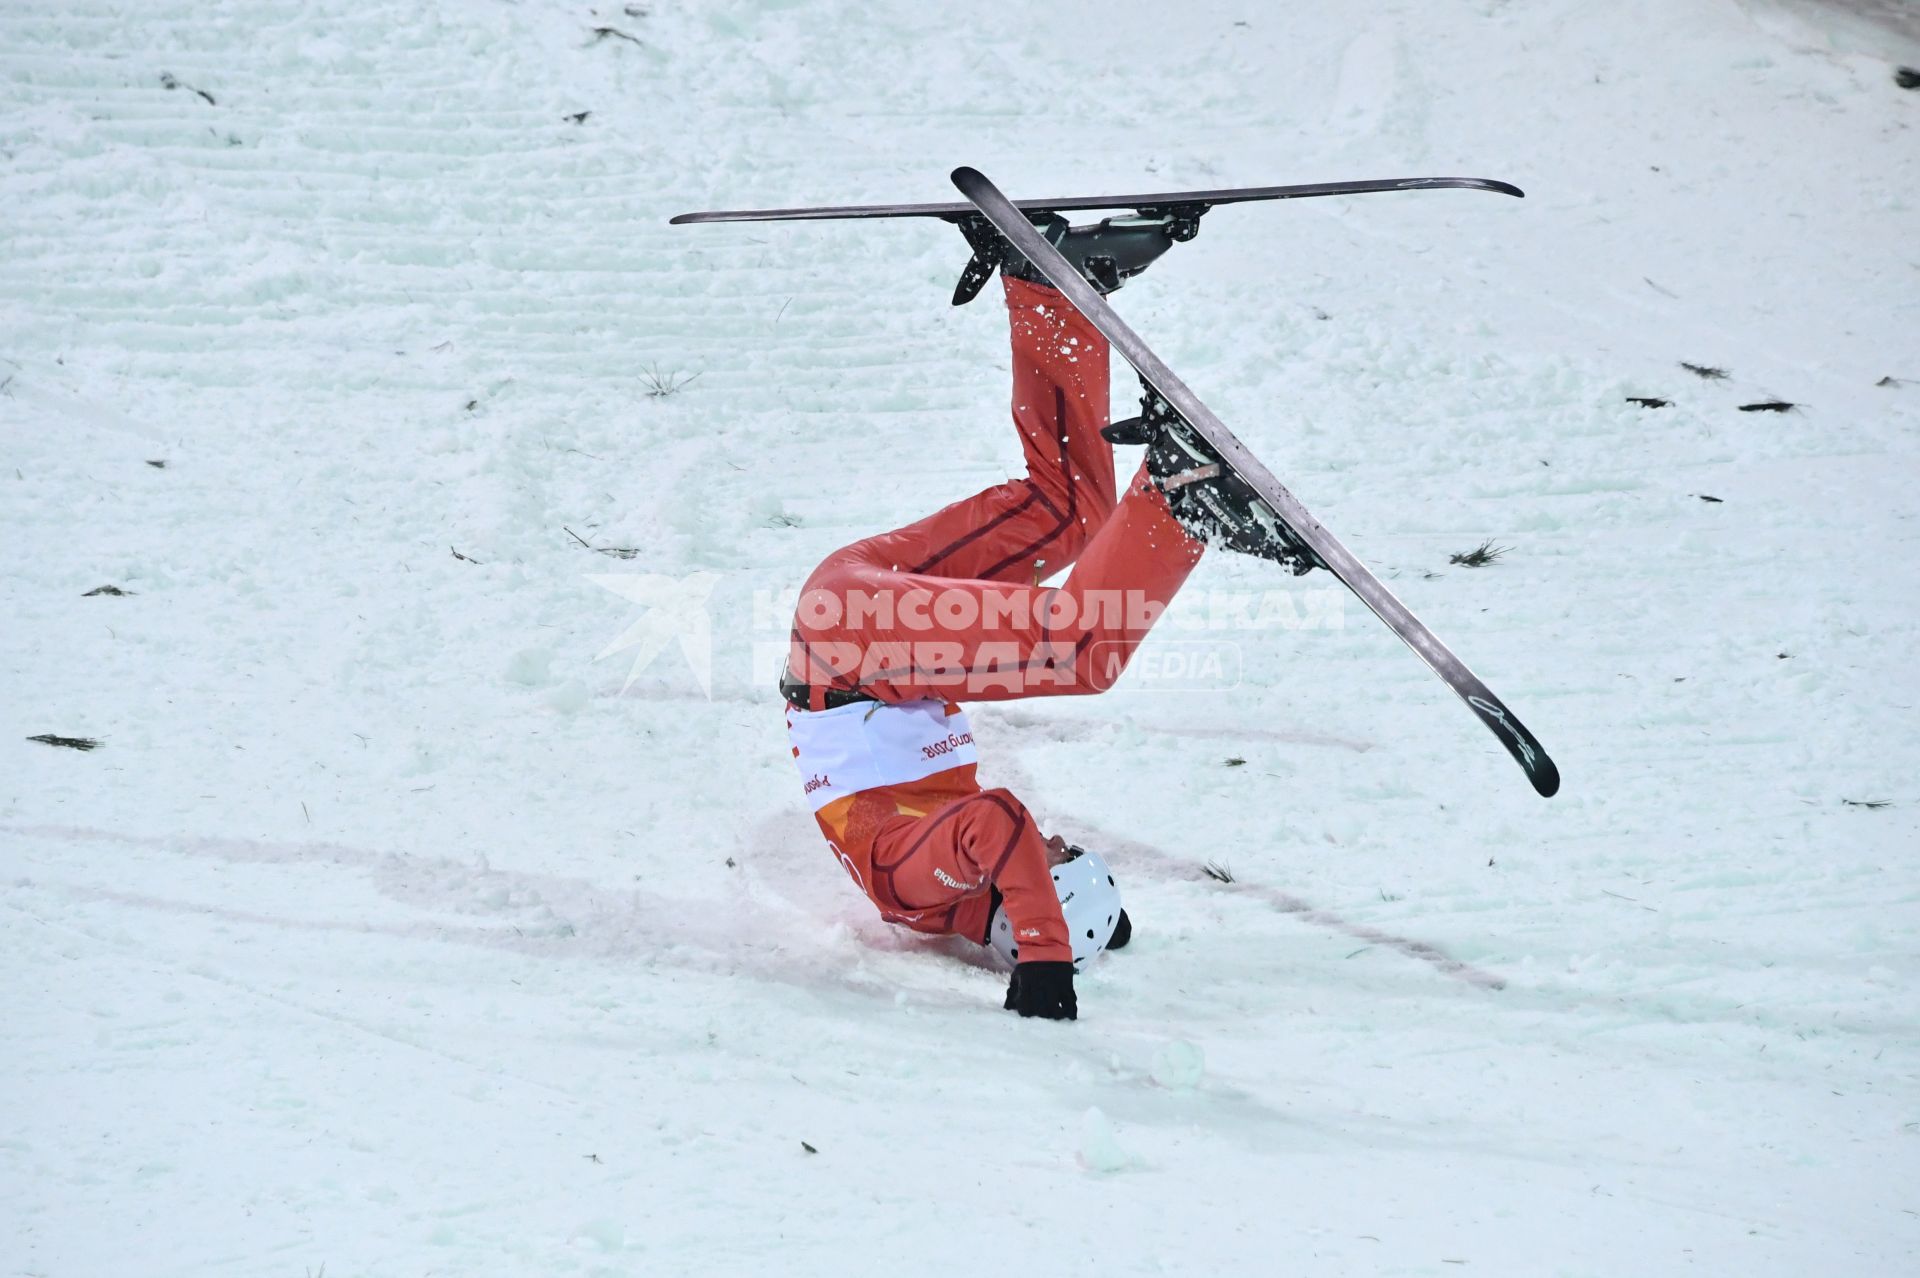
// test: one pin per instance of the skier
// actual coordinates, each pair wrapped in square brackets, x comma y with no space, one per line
[893,631]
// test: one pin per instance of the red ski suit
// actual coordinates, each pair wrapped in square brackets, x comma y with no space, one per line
[950,609]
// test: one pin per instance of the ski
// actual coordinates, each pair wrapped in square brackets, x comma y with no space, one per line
[1147,205]
[1010,220]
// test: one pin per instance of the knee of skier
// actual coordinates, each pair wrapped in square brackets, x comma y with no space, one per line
[1102,665]
[1073,538]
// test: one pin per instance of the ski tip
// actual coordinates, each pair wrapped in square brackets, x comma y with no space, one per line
[964,174]
[1494,185]
[1545,778]
[1520,743]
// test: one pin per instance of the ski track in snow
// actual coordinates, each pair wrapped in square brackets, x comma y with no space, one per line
[387,931]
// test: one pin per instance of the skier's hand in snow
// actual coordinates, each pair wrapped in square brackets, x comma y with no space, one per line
[1043,989]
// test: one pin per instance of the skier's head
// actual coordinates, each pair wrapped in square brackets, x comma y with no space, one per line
[1089,900]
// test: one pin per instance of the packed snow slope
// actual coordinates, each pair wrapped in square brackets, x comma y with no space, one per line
[388,931]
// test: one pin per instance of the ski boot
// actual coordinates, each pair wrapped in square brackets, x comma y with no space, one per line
[1108,253]
[1206,495]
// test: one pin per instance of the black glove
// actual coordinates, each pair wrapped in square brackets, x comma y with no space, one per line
[1043,989]
[1122,932]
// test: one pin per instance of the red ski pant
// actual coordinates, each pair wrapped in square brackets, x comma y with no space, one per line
[951,607]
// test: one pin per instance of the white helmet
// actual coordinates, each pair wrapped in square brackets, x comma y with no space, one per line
[1088,899]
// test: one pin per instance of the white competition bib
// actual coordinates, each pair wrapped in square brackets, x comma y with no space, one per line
[865,744]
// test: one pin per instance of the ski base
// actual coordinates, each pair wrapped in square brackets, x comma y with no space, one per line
[1148,205]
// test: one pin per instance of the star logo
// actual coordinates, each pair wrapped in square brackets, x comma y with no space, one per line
[676,611]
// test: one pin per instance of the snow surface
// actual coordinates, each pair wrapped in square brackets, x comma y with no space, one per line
[385,934]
